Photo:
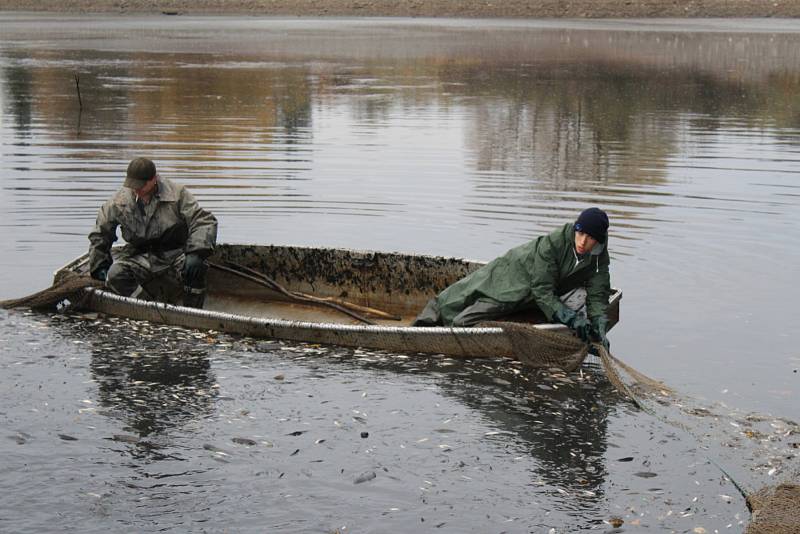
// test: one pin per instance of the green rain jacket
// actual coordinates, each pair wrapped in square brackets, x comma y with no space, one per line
[534,274]
[170,225]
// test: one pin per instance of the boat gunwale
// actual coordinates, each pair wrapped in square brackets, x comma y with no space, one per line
[274,322]
[322,326]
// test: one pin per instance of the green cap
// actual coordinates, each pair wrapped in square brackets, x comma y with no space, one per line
[140,171]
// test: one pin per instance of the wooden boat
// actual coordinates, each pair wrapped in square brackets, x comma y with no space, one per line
[399,284]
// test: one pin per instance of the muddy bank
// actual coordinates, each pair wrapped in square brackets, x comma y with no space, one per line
[426,8]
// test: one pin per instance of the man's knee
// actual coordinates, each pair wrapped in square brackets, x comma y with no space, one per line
[429,316]
[481,310]
[121,279]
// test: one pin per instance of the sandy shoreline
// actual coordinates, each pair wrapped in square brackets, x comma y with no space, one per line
[425,8]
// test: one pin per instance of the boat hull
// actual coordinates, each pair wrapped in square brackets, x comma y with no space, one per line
[397,283]
[458,342]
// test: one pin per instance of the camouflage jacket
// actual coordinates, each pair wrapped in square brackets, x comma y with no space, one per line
[170,225]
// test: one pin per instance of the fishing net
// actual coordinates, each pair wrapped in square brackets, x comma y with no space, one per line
[774,510]
[774,507]
[540,348]
[68,287]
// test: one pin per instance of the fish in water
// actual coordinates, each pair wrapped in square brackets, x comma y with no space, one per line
[214,449]
[125,438]
[365,477]
[21,438]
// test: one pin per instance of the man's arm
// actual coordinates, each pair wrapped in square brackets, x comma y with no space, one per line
[102,237]
[544,279]
[202,226]
[598,288]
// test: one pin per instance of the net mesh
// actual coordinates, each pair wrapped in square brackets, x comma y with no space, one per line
[775,510]
[68,287]
[536,347]
[542,349]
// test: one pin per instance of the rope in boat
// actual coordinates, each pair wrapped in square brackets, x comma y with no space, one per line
[268,282]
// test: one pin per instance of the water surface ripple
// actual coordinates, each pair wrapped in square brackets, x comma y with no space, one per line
[446,137]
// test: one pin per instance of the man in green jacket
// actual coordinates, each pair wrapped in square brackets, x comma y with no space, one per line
[534,275]
[168,237]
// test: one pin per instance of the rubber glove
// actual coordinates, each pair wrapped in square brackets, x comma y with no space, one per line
[599,328]
[565,316]
[193,268]
[574,321]
[582,327]
[101,273]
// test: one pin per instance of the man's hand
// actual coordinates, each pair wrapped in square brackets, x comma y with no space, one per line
[578,323]
[598,331]
[101,273]
[582,327]
[565,316]
[192,268]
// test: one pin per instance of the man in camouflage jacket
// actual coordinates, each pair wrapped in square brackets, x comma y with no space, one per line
[168,236]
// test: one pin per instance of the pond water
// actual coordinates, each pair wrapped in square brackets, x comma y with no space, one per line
[446,137]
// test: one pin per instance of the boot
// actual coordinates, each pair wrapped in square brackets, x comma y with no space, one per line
[194,297]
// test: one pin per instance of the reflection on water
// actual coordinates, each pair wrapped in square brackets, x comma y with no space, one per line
[157,382]
[459,138]
[279,434]
[521,130]
[446,137]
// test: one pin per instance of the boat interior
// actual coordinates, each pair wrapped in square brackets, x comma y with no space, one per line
[323,285]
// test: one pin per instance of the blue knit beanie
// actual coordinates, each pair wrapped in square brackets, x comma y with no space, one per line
[593,221]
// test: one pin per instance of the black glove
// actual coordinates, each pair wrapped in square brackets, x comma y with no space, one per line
[565,316]
[582,327]
[101,273]
[599,328]
[573,320]
[193,269]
